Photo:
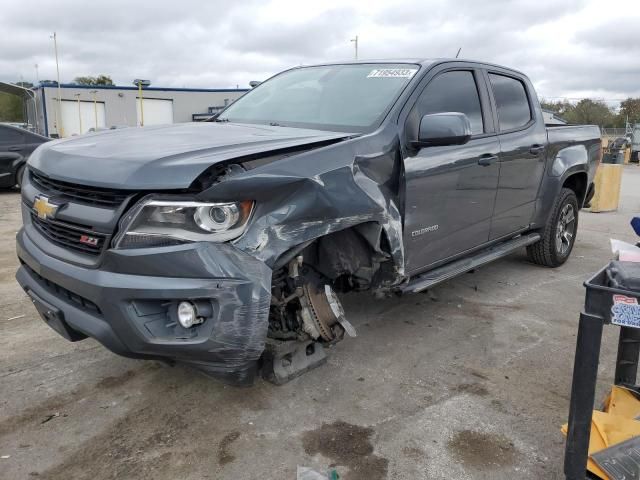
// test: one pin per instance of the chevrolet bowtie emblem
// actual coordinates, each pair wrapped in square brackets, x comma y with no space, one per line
[44,208]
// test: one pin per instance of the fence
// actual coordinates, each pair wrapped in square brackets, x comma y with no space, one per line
[613,132]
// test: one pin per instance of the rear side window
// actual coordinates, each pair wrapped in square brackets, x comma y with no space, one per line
[511,101]
[454,91]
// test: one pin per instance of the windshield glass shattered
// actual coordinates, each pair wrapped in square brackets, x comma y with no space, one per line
[332,97]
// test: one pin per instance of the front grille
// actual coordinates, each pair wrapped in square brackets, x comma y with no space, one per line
[63,292]
[104,197]
[70,236]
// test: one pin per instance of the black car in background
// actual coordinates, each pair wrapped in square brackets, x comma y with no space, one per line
[16,144]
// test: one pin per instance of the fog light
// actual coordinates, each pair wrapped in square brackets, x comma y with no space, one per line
[187,315]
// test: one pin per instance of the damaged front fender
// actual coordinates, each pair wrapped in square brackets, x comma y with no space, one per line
[316,193]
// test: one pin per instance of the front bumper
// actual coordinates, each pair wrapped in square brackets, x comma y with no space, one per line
[126,303]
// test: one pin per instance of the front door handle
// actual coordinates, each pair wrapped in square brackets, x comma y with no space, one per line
[536,149]
[14,149]
[487,159]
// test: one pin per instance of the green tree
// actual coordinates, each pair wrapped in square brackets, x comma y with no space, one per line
[560,107]
[630,109]
[11,109]
[591,112]
[99,80]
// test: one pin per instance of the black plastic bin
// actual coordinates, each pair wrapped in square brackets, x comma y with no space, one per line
[599,300]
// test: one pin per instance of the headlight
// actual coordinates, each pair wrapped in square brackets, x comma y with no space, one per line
[160,222]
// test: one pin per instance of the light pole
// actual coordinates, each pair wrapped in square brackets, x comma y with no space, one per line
[59,125]
[77,95]
[141,83]
[355,41]
[95,107]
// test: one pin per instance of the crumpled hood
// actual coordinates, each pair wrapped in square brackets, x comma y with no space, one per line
[162,157]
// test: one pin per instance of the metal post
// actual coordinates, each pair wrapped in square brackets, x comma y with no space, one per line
[355,41]
[59,126]
[77,95]
[95,108]
[628,354]
[141,105]
[583,389]
[56,113]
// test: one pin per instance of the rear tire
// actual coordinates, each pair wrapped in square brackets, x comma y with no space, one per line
[559,233]
[19,175]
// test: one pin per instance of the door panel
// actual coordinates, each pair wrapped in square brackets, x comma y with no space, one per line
[523,140]
[520,176]
[449,199]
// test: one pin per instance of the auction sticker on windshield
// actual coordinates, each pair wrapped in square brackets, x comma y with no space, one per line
[392,73]
[625,311]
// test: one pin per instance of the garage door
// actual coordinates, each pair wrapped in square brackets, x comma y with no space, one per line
[76,121]
[156,111]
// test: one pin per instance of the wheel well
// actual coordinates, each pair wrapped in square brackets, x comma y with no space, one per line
[578,183]
[355,258]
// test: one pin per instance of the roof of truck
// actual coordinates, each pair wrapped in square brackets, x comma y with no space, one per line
[419,61]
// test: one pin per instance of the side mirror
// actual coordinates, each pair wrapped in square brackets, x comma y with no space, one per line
[254,83]
[440,129]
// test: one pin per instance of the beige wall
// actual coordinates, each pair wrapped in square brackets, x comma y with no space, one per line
[120,104]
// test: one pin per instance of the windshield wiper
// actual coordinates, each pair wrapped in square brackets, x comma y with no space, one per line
[221,120]
[274,124]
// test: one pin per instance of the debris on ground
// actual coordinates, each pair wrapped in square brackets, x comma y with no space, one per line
[307,473]
[615,424]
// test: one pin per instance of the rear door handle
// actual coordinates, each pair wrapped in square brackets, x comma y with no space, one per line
[536,149]
[487,159]
[15,149]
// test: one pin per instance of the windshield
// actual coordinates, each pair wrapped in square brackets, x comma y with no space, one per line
[334,97]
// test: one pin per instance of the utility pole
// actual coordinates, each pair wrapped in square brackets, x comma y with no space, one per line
[355,41]
[59,125]
[95,107]
[37,76]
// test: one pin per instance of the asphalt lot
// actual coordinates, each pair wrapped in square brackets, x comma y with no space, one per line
[469,381]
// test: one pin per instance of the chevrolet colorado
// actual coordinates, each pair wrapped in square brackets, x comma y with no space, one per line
[223,244]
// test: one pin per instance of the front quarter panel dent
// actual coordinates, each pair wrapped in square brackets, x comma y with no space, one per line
[306,197]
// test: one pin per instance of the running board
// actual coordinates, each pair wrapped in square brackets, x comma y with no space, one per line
[453,269]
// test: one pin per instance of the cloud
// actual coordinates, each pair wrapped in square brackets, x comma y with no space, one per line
[569,48]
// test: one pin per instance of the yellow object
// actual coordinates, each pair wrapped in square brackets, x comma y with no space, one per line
[622,402]
[627,155]
[607,187]
[616,424]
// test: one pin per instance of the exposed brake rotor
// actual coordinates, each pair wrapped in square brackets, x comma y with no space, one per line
[323,312]
[321,315]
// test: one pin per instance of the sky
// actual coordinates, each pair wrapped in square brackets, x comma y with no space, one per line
[569,48]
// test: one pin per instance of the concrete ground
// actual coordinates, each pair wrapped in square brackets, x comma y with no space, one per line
[470,381]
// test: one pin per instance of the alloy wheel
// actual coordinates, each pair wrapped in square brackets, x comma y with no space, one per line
[565,229]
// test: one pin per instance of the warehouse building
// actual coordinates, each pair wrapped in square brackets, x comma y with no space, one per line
[85,107]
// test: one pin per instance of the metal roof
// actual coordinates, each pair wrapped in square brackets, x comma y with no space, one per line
[13,89]
[126,87]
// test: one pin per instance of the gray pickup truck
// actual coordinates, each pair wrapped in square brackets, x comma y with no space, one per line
[223,244]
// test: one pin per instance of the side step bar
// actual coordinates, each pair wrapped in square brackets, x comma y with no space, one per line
[453,269]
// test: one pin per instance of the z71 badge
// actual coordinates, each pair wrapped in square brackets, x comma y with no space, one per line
[625,311]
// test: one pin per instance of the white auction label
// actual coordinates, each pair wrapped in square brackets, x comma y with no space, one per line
[392,73]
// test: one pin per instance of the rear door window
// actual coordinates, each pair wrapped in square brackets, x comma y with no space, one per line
[511,101]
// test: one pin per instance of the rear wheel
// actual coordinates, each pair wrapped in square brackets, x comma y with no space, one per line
[19,175]
[559,234]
